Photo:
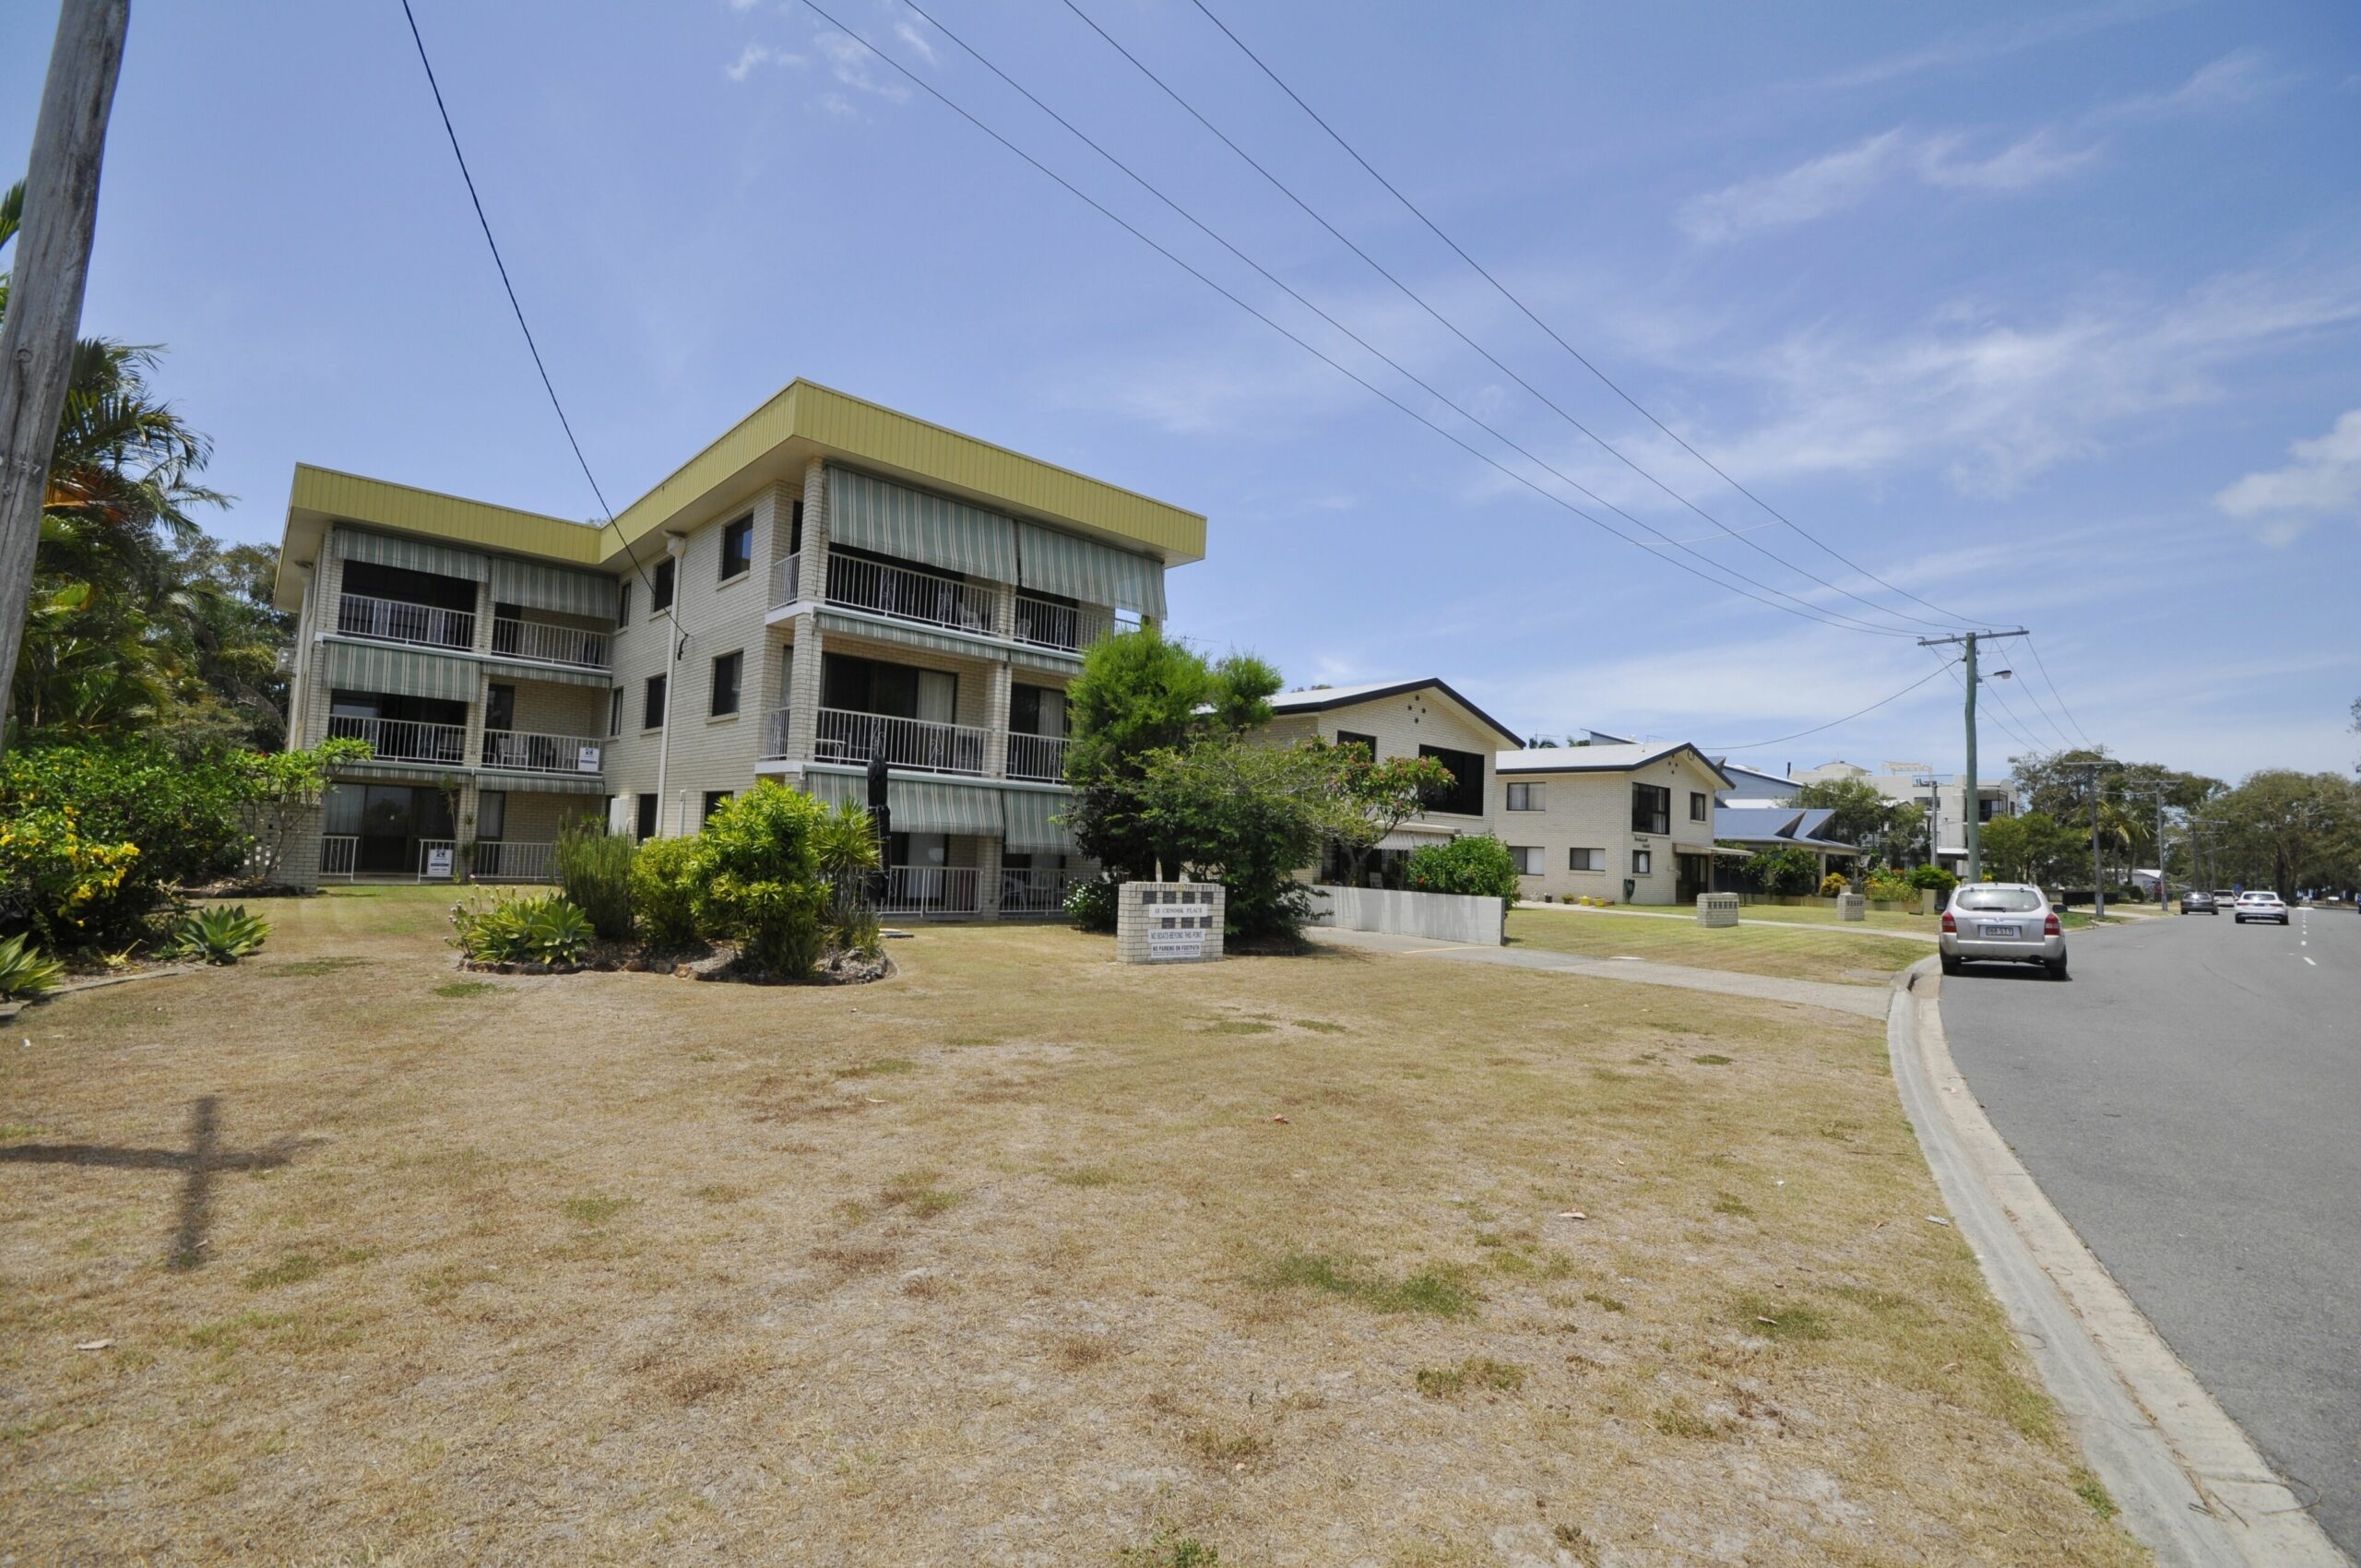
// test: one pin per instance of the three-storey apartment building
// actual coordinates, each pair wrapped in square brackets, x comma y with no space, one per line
[827,583]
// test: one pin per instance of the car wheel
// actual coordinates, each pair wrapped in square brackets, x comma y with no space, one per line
[2056,971]
[1951,964]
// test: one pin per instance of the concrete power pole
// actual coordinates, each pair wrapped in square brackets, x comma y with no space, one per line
[1971,799]
[45,290]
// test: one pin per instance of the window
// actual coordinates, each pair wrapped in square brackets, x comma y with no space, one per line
[1465,796]
[1525,797]
[1696,805]
[726,667]
[651,705]
[795,529]
[1528,858]
[1651,809]
[713,798]
[896,691]
[1036,710]
[615,711]
[1585,860]
[1354,738]
[659,590]
[737,548]
[500,708]
[622,604]
[647,818]
[492,814]
[1642,862]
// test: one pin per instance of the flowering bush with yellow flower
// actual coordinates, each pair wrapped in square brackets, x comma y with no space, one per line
[67,886]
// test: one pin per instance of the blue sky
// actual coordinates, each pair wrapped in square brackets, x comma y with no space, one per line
[2052,316]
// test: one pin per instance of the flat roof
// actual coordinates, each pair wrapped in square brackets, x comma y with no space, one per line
[803,420]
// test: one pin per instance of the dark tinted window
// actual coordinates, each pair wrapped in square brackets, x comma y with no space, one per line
[651,707]
[647,817]
[1465,796]
[725,683]
[1651,809]
[1354,738]
[659,595]
[738,549]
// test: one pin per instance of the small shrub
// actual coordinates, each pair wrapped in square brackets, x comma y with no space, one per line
[758,877]
[1479,866]
[663,894]
[1784,872]
[64,884]
[24,971]
[1896,889]
[217,936]
[844,843]
[510,928]
[593,872]
[1834,883]
[1932,877]
[1091,905]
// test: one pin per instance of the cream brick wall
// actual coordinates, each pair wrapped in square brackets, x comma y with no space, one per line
[1401,725]
[1593,811]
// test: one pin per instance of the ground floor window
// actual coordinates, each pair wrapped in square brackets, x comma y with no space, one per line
[647,823]
[492,814]
[388,822]
[1528,858]
[713,798]
[1585,860]
[1642,862]
[1378,868]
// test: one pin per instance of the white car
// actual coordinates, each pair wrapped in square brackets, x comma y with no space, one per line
[2259,906]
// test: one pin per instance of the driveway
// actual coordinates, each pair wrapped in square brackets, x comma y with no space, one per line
[2190,1102]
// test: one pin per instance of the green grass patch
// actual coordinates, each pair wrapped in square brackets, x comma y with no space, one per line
[1730,1203]
[1478,1373]
[882,1067]
[1241,1026]
[1168,1549]
[1084,1176]
[915,1194]
[1678,1419]
[1781,1320]
[2091,1490]
[295,969]
[1711,1059]
[594,1209]
[1319,1025]
[1437,1291]
[1606,1302]
[457,988]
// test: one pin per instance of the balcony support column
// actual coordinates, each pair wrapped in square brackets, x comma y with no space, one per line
[812,580]
[988,878]
[804,677]
[996,720]
[471,748]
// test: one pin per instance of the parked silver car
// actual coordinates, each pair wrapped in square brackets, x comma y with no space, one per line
[2002,922]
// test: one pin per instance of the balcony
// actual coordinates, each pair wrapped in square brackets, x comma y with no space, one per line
[845,736]
[404,740]
[1044,623]
[398,620]
[905,593]
[1039,891]
[550,644]
[524,751]
[1038,758]
[499,860]
[930,890]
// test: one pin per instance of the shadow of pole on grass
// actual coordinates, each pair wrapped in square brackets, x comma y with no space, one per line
[198,1163]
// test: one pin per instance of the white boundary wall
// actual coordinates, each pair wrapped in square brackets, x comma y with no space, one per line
[1440,917]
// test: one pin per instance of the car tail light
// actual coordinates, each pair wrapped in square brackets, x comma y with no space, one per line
[1949,924]
[2049,924]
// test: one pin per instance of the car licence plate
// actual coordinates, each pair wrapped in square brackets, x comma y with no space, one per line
[1990,930]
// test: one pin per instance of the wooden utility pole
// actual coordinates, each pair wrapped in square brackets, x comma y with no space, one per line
[1972,799]
[52,262]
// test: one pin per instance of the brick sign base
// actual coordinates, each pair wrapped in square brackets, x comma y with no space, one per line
[1168,922]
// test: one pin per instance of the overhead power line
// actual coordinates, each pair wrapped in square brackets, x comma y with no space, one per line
[1723,529]
[2043,666]
[1776,740]
[1953,617]
[1818,612]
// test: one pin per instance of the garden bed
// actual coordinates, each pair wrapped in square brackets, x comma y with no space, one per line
[719,961]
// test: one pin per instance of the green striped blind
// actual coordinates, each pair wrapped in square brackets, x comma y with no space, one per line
[538,587]
[416,554]
[365,667]
[1060,562]
[868,513]
[920,805]
[1036,821]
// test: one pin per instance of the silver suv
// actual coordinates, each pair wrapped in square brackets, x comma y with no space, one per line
[2003,923]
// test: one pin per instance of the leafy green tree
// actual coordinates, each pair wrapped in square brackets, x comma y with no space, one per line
[1370,799]
[1249,816]
[2288,831]
[757,877]
[1787,870]
[2033,847]
[1861,814]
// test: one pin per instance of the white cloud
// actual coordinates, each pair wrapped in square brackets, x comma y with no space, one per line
[854,65]
[755,55]
[1972,49]
[910,35]
[2324,479]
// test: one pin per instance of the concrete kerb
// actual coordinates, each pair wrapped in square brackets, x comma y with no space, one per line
[2190,1485]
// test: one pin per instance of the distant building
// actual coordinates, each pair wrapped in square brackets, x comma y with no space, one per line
[1943,795]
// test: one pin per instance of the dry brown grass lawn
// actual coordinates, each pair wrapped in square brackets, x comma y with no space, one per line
[1023,1257]
[1794,952]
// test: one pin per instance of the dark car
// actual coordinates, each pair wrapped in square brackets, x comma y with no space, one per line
[2197,901]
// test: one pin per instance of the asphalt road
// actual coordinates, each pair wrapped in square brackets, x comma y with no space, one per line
[2191,1101]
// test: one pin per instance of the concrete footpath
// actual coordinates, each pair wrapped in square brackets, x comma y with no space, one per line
[1861,1001]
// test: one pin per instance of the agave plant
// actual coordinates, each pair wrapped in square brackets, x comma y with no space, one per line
[506,929]
[24,971]
[218,934]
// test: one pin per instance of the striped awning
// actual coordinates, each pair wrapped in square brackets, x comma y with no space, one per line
[539,587]
[415,554]
[501,669]
[540,783]
[401,671]
[1085,569]
[398,773]
[920,805]
[879,629]
[1036,821]
[870,514]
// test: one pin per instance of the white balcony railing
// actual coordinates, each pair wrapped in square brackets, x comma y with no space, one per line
[499,860]
[550,644]
[929,890]
[398,620]
[785,577]
[1039,890]
[845,736]
[404,740]
[1039,757]
[438,859]
[523,751]
[775,728]
[339,856]
[1044,623]
[909,594]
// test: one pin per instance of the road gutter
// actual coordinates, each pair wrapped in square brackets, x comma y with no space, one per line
[2189,1484]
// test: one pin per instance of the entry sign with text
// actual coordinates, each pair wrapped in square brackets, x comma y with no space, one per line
[438,864]
[587,760]
[1177,923]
